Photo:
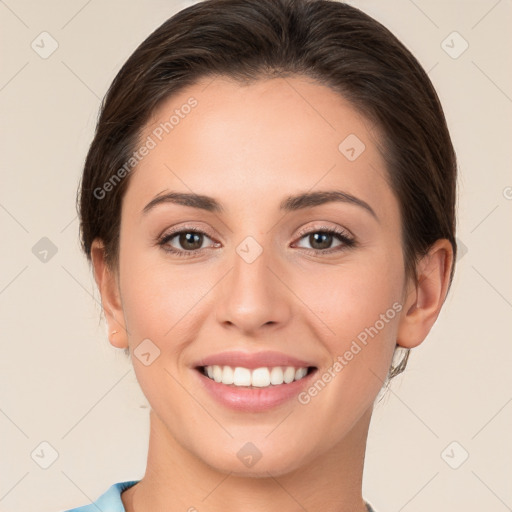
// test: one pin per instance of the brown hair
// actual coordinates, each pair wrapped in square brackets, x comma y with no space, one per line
[332,42]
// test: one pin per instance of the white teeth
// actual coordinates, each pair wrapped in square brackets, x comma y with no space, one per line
[227,375]
[276,376]
[242,376]
[259,377]
[217,373]
[289,374]
[300,372]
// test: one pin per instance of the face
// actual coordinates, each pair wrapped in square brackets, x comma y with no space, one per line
[279,266]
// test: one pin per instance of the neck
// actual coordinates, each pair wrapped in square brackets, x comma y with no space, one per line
[177,480]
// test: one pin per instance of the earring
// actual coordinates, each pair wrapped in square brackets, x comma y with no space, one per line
[114,332]
[400,367]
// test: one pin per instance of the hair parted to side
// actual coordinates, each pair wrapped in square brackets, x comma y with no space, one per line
[331,42]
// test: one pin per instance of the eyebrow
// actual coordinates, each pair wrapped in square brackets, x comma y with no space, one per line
[289,204]
[310,199]
[186,199]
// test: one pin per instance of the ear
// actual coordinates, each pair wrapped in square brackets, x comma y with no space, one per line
[425,297]
[107,281]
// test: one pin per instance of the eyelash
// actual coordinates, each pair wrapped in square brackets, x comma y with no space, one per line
[341,235]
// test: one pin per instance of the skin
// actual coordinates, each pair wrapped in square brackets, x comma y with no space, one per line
[249,147]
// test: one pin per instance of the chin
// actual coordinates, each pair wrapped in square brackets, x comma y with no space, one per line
[273,466]
[258,460]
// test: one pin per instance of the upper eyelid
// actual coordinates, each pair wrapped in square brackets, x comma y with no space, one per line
[185,229]
[315,229]
[205,231]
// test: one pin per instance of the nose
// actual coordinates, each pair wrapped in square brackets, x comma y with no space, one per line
[252,296]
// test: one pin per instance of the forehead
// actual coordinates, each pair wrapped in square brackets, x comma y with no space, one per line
[244,142]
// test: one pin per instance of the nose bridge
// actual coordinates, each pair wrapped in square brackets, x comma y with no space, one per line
[252,296]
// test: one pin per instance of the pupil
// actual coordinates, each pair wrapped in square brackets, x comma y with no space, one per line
[322,239]
[190,240]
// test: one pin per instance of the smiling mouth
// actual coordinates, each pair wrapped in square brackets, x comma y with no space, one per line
[262,377]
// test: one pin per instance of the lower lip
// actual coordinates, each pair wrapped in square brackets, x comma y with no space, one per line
[253,399]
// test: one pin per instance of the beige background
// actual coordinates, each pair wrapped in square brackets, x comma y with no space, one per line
[61,381]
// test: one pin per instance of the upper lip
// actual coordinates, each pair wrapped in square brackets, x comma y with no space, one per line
[252,360]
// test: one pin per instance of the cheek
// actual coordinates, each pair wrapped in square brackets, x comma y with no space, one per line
[156,295]
[167,305]
[160,304]
[352,296]
[359,304]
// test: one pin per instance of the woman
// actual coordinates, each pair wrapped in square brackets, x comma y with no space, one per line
[268,206]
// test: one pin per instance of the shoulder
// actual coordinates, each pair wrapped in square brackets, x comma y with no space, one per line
[109,501]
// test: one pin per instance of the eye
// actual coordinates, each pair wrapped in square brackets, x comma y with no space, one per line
[186,242]
[327,240]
